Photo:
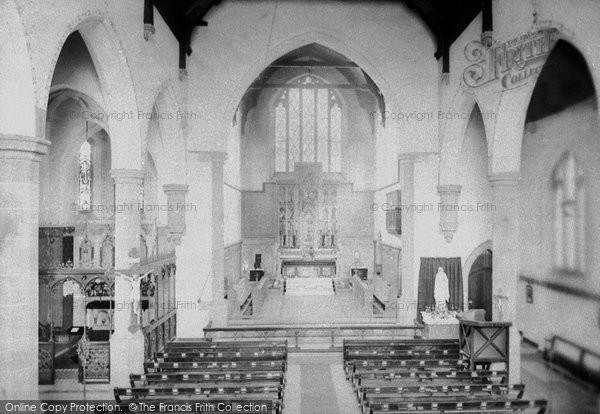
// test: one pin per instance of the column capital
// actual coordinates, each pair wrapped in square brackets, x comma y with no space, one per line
[10,143]
[412,157]
[209,156]
[449,188]
[124,175]
[176,188]
[504,178]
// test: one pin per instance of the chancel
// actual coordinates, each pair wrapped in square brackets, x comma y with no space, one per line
[301,206]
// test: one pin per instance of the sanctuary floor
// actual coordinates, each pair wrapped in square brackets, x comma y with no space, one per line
[340,308]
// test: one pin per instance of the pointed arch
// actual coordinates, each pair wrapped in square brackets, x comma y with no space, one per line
[108,57]
[319,37]
[453,134]
[17,116]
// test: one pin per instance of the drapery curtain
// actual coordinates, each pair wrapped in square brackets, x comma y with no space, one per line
[429,266]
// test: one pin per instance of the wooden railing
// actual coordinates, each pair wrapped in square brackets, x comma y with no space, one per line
[46,362]
[335,332]
[97,362]
[159,333]
[582,362]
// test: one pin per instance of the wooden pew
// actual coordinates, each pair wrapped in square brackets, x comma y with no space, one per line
[354,366]
[391,376]
[369,394]
[221,356]
[392,354]
[406,344]
[150,406]
[466,406]
[227,345]
[274,392]
[151,367]
[220,377]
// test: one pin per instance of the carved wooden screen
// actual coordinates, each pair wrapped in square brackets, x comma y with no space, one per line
[307,216]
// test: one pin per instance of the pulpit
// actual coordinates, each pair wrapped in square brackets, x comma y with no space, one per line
[483,343]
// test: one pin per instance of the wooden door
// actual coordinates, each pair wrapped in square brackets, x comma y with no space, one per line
[480,284]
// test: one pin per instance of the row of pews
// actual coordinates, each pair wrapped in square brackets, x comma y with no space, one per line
[210,373]
[427,376]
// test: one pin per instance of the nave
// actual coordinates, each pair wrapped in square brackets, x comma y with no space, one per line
[367,376]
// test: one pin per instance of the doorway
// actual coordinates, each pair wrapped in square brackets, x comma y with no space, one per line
[480,284]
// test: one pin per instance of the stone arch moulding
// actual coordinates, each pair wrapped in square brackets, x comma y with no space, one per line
[60,93]
[172,141]
[17,116]
[108,57]
[512,109]
[319,37]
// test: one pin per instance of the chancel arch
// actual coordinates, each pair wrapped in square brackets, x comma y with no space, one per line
[307,146]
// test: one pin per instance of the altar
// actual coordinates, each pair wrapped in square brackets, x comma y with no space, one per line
[440,325]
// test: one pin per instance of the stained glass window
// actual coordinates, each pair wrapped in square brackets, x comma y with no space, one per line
[308,126]
[85,176]
[569,217]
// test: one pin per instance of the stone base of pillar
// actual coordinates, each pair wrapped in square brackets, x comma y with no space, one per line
[126,357]
[219,313]
[406,311]
[191,322]
[514,355]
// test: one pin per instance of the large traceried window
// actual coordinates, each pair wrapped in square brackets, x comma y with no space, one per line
[308,126]
[85,176]
[569,217]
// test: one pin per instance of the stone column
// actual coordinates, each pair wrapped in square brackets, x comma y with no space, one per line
[176,210]
[127,342]
[505,261]
[448,215]
[219,310]
[19,279]
[200,256]
[407,303]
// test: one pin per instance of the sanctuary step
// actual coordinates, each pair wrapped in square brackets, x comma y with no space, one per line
[309,286]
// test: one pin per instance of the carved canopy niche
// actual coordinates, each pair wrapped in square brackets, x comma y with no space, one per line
[307,208]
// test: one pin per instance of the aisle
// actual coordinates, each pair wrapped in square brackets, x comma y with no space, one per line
[316,385]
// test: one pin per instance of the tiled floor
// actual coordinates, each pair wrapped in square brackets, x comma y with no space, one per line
[564,395]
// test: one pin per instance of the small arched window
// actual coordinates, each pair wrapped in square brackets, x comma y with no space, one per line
[569,215]
[308,126]
[85,176]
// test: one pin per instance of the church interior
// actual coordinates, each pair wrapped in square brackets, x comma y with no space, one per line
[301,206]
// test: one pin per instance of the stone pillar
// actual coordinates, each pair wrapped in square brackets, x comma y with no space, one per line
[19,279]
[448,215]
[219,309]
[505,261]
[199,283]
[407,303]
[176,210]
[127,342]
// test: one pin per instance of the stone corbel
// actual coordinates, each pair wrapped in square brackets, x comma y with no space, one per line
[487,38]
[176,212]
[448,214]
[149,30]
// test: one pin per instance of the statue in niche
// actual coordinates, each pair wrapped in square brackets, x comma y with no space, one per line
[441,291]
[107,253]
[143,248]
[86,253]
[282,227]
[333,225]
